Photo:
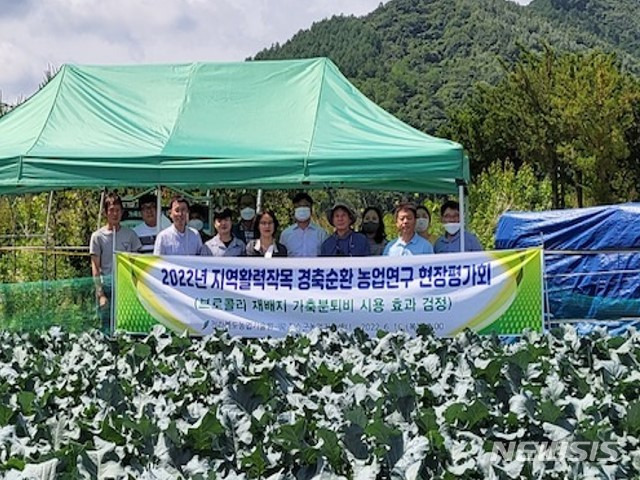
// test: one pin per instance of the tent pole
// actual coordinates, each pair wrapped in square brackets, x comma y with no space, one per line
[211,203]
[462,215]
[158,209]
[45,300]
[100,208]
[259,200]
[46,233]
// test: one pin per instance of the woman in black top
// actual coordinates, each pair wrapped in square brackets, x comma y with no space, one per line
[264,243]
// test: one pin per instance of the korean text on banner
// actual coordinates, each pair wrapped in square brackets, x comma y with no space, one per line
[498,291]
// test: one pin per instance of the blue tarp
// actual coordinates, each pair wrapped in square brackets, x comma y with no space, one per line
[592,270]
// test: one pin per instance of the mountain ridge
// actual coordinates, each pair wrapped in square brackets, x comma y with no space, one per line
[418,58]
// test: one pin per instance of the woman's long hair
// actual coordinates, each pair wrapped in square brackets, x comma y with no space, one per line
[380,235]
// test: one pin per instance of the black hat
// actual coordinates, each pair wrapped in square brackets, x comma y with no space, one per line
[147,198]
[222,213]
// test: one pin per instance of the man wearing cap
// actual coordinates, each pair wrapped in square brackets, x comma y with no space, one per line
[179,238]
[304,238]
[224,244]
[409,242]
[147,230]
[344,241]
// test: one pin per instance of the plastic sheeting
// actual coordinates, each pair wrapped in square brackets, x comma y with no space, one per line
[592,270]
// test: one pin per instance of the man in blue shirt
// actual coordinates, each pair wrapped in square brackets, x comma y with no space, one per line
[344,241]
[409,242]
[304,238]
[450,241]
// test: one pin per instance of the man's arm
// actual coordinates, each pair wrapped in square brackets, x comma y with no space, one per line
[199,243]
[97,280]
[387,247]
[428,248]
[157,246]
[284,237]
[323,234]
[136,244]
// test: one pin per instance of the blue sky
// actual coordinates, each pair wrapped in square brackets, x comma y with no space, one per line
[37,34]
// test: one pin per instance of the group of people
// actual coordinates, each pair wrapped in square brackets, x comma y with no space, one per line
[256,234]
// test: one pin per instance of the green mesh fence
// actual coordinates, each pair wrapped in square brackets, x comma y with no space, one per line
[33,306]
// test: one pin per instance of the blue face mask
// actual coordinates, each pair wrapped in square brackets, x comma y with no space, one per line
[302,214]
[196,223]
[422,224]
[247,213]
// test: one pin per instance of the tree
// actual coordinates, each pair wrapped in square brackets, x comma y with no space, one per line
[567,115]
[501,188]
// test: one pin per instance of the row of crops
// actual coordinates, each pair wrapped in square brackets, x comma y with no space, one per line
[328,404]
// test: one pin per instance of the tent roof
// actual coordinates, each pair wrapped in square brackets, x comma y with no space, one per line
[263,124]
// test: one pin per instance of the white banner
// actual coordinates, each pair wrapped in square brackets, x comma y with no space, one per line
[486,291]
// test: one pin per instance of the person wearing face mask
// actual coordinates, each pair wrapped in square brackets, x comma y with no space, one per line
[304,238]
[450,241]
[179,238]
[245,228]
[147,230]
[372,227]
[224,244]
[197,215]
[344,242]
[408,242]
[423,221]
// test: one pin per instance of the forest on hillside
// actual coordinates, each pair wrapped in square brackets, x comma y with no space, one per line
[552,85]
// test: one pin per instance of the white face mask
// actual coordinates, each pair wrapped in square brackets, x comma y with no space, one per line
[196,223]
[422,224]
[452,228]
[302,214]
[247,213]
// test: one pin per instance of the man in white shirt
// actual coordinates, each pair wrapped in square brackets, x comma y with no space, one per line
[304,238]
[178,239]
[147,230]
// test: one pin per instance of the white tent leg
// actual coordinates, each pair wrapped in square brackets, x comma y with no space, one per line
[462,215]
[158,209]
[259,201]
[100,210]
[46,233]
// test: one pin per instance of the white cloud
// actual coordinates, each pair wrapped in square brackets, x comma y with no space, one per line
[38,33]
[124,31]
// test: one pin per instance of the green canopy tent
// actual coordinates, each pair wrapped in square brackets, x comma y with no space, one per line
[263,125]
[268,124]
